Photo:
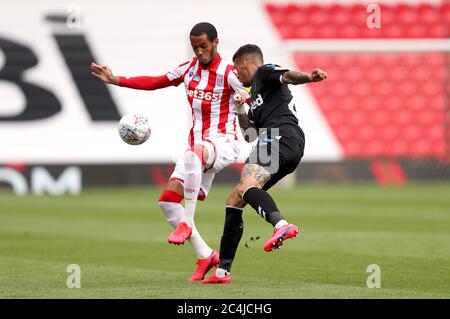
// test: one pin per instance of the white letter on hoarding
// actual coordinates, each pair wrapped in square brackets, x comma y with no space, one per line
[69,181]
[15,179]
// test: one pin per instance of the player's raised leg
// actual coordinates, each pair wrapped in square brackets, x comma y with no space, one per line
[194,159]
[249,190]
[170,203]
[254,177]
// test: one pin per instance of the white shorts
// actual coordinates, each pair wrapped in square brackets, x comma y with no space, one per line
[222,152]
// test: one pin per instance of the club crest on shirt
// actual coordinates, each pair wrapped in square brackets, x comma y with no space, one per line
[196,78]
[219,80]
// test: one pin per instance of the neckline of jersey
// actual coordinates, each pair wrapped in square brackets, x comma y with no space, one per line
[213,63]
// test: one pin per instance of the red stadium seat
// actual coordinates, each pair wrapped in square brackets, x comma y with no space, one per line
[428,14]
[339,16]
[406,15]
[391,100]
[327,32]
[387,105]
[353,74]
[304,31]
[414,30]
[397,21]
[438,30]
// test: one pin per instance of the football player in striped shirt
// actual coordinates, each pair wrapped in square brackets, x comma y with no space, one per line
[210,83]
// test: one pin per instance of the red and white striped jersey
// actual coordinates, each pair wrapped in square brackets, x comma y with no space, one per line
[209,91]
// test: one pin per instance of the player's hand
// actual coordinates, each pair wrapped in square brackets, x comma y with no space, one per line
[104,73]
[239,99]
[318,75]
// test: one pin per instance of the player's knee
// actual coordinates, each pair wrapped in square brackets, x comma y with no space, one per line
[196,151]
[235,200]
[243,187]
[176,185]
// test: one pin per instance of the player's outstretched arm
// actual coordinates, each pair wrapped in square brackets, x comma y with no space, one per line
[104,73]
[296,77]
[149,83]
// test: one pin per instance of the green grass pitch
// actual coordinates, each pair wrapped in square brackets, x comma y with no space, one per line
[118,238]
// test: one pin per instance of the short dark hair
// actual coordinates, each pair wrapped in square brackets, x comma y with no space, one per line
[204,27]
[247,50]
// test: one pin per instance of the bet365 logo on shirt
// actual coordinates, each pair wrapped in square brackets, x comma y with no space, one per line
[202,95]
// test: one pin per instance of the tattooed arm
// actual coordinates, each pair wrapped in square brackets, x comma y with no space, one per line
[296,77]
[248,129]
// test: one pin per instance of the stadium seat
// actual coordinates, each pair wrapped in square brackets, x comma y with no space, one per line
[397,20]
[385,111]
[386,106]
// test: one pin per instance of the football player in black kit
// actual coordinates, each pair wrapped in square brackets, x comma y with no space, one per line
[272,118]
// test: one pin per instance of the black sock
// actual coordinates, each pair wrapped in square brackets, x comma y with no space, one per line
[232,233]
[263,203]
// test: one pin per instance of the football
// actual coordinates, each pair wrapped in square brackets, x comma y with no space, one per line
[134,128]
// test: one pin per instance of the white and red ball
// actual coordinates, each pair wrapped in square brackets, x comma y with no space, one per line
[134,128]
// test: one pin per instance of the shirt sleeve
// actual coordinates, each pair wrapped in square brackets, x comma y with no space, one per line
[172,78]
[177,74]
[145,82]
[272,73]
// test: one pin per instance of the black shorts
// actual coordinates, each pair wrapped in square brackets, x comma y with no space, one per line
[279,154]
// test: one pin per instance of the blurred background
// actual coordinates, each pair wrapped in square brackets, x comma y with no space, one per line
[382,115]
[373,186]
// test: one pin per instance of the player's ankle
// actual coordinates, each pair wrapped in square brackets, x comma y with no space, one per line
[281,223]
[220,273]
[188,222]
[204,252]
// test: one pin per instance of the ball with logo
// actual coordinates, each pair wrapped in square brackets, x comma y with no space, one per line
[134,128]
